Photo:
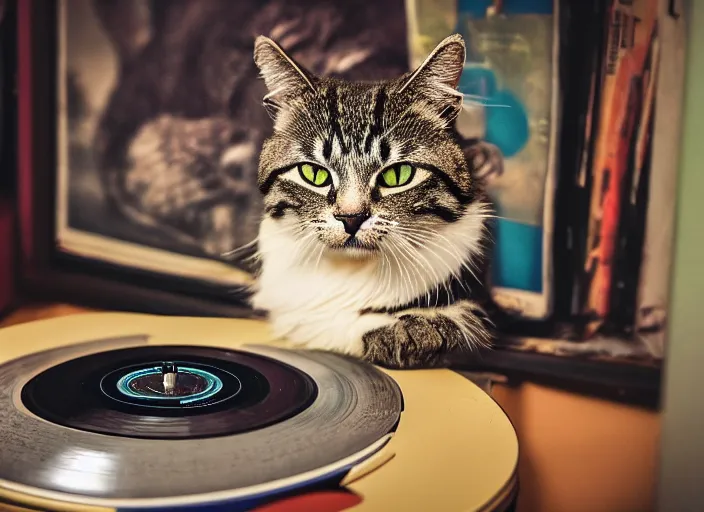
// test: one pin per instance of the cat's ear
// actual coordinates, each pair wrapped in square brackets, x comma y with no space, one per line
[439,75]
[284,78]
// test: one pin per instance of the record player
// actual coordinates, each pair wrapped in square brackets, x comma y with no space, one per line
[121,411]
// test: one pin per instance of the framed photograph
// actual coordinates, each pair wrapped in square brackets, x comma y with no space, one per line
[140,124]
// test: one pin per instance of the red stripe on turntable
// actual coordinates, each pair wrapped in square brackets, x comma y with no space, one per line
[322,501]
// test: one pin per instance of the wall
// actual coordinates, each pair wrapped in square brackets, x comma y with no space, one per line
[682,485]
[581,454]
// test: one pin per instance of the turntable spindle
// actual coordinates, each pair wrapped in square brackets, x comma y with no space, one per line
[170,373]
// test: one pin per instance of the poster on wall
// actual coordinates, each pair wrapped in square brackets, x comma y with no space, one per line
[160,120]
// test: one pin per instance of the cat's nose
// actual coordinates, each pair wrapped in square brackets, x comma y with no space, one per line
[352,221]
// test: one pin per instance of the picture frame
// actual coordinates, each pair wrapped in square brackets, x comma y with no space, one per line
[47,272]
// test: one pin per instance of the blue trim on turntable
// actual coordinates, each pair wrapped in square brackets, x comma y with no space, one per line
[246,503]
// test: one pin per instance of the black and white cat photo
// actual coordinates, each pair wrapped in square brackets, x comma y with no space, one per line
[370,208]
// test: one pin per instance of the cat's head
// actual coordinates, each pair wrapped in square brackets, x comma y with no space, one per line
[363,168]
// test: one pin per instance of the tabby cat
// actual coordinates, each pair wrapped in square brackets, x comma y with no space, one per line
[370,208]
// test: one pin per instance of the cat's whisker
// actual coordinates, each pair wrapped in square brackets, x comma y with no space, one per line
[320,256]
[295,230]
[463,260]
[427,267]
[438,280]
[424,236]
[387,271]
[489,105]
[411,263]
[474,96]
[261,239]
[419,238]
[400,267]
[309,249]
[256,257]
[282,231]
[308,242]
[232,252]
[302,245]
[395,269]
[478,100]
[414,255]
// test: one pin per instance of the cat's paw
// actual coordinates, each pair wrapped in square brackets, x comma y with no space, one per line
[421,338]
[411,342]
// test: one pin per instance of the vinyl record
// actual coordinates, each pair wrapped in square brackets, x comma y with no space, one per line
[276,415]
[139,412]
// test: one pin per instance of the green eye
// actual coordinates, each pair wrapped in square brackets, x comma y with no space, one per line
[315,176]
[397,176]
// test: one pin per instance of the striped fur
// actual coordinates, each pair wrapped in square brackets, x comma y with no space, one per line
[359,293]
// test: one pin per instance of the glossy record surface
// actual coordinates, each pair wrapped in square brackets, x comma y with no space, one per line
[85,393]
[355,407]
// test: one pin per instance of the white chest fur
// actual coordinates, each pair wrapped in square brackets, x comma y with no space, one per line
[315,300]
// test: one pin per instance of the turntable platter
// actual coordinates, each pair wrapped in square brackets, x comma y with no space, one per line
[125,411]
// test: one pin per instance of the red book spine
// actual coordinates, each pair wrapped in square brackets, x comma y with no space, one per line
[630,34]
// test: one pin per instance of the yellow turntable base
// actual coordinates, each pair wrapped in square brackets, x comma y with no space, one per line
[454,449]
